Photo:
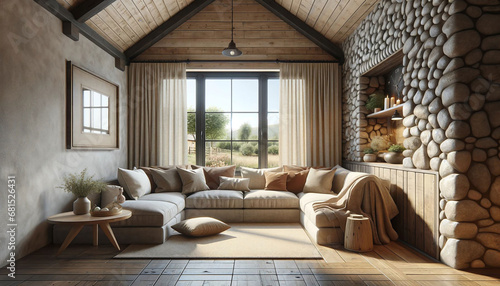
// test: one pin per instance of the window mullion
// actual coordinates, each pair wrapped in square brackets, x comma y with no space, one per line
[200,120]
[263,132]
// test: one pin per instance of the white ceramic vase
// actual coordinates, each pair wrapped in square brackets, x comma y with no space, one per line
[370,157]
[81,206]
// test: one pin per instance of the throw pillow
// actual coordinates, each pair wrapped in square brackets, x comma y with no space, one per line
[276,181]
[212,174]
[135,182]
[167,180]
[256,176]
[296,180]
[200,226]
[237,184]
[294,168]
[319,181]
[192,180]
[109,195]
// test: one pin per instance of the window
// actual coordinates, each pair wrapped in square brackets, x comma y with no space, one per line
[233,119]
[95,112]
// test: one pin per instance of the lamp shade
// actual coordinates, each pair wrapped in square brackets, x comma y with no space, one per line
[396,116]
[231,50]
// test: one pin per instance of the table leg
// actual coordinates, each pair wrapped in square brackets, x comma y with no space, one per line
[109,233]
[69,238]
[95,230]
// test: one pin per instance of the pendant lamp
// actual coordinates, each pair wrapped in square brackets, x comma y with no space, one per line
[232,50]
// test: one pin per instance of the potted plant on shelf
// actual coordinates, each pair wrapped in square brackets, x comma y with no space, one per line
[394,155]
[375,101]
[370,155]
[81,186]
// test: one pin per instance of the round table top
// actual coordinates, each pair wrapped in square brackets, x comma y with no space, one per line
[71,218]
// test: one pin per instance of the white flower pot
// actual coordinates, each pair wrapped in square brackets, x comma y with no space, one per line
[81,206]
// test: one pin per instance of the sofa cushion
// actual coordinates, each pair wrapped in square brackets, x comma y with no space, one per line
[265,199]
[256,176]
[177,199]
[148,213]
[213,174]
[215,199]
[296,180]
[316,217]
[166,180]
[192,180]
[200,226]
[135,182]
[238,184]
[276,181]
[319,181]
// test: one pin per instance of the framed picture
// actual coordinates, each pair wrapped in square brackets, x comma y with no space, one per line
[92,111]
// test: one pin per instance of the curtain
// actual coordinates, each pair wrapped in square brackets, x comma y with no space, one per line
[310,114]
[157,114]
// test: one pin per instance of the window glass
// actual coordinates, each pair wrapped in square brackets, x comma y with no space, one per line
[218,95]
[245,95]
[217,125]
[273,126]
[273,95]
[245,126]
[191,120]
[245,153]
[95,112]
[217,154]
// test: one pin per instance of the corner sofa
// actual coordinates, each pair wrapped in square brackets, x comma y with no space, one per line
[154,213]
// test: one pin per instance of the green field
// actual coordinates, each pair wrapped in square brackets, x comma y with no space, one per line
[223,158]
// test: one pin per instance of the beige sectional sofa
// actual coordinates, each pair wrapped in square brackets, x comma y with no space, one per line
[154,213]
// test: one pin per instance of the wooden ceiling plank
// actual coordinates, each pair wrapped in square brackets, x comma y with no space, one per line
[136,14]
[355,25]
[118,29]
[64,15]
[304,29]
[160,5]
[330,7]
[242,43]
[172,7]
[155,13]
[89,8]
[294,8]
[333,17]
[315,11]
[121,20]
[343,17]
[96,28]
[167,27]
[143,9]
[304,9]
[353,21]
[106,29]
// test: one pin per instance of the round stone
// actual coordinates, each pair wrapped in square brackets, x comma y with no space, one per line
[491,57]
[477,264]
[491,72]
[465,211]
[479,124]
[492,109]
[486,143]
[462,230]
[474,195]
[435,163]
[450,145]
[495,192]
[480,85]
[490,43]
[495,213]
[412,143]
[420,158]
[435,106]
[490,240]
[479,155]
[454,187]
[485,203]
[460,43]
[458,130]
[476,101]
[421,111]
[494,165]
[433,150]
[474,57]
[445,169]
[480,177]
[444,118]
[487,24]
[438,135]
[460,160]
[459,253]
[409,121]
[485,222]
[456,23]
[492,258]
[459,111]
[457,92]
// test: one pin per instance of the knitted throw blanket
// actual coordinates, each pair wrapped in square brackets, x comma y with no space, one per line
[363,194]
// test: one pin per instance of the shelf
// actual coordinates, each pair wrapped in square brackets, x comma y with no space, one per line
[386,112]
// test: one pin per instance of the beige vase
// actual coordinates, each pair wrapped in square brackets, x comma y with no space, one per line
[370,157]
[81,206]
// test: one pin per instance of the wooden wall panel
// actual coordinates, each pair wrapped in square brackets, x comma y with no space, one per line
[416,193]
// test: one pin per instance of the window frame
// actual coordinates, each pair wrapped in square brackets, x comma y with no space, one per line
[200,111]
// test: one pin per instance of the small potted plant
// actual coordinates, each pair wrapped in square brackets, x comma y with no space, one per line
[394,155]
[81,186]
[370,155]
[375,101]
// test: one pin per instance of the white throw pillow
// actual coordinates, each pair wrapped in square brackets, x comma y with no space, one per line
[257,177]
[135,182]
[237,184]
[192,180]
[319,181]
[201,226]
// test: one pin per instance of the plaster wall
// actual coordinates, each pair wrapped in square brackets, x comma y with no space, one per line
[451,72]
[33,53]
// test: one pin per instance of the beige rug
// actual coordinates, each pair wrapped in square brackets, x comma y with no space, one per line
[252,240]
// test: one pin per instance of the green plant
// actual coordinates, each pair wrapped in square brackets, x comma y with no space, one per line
[273,149]
[369,151]
[224,145]
[81,185]
[247,149]
[396,148]
[375,100]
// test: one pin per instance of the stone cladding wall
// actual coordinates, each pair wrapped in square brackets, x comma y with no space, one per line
[452,110]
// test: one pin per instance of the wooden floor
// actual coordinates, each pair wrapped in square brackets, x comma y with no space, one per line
[393,264]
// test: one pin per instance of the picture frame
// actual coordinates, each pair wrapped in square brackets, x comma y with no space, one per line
[92,111]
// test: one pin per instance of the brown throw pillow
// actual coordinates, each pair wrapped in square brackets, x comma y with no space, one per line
[276,181]
[296,181]
[213,174]
[294,168]
[200,226]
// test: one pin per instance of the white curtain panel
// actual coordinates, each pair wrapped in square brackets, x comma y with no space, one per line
[310,114]
[157,110]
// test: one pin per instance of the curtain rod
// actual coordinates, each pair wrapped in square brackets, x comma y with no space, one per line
[232,61]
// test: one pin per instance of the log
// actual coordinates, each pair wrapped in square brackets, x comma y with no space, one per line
[358,234]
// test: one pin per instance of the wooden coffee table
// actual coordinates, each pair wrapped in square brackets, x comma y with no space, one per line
[79,221]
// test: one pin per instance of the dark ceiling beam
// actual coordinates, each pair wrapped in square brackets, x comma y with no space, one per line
[88,8]
[167,27]
[64,15]
[299,25]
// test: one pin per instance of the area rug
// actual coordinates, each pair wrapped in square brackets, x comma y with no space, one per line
[251,240]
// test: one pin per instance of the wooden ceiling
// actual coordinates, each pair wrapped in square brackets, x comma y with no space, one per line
[258,32]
